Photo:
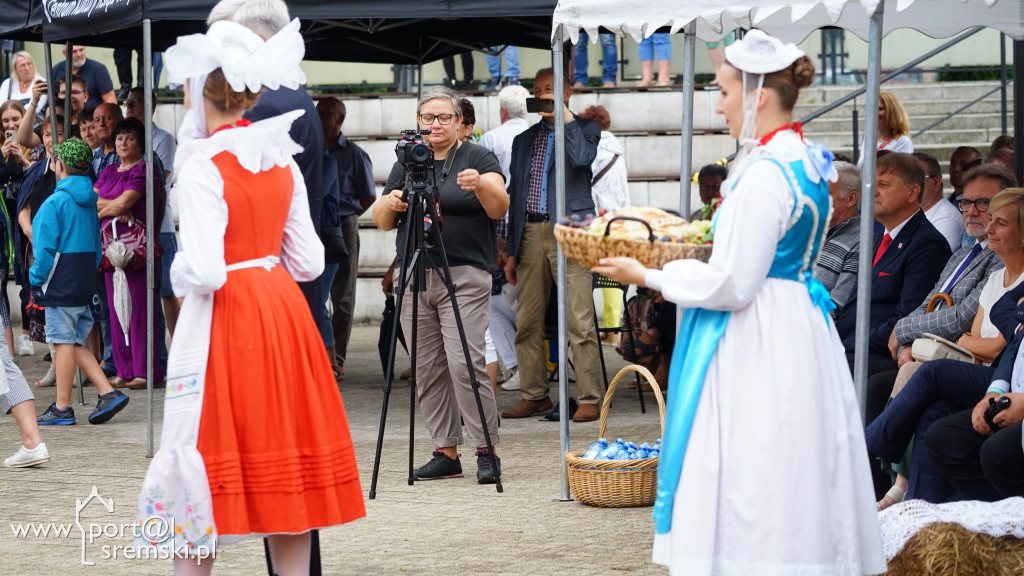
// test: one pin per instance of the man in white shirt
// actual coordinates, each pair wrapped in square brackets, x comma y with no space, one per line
[943,215]
[499,140]
[513,121]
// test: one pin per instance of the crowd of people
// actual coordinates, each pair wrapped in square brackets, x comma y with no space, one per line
[268,191]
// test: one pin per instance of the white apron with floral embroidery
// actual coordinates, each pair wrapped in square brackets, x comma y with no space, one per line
[175,508]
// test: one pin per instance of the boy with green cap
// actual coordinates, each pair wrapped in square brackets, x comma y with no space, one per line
[66,246]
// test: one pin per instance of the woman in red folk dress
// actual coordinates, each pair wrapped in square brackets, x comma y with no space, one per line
[255,441]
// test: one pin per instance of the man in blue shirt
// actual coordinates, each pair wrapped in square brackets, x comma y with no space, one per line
[101,89]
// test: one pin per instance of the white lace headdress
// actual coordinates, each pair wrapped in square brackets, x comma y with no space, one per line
[756,55]
[247,61]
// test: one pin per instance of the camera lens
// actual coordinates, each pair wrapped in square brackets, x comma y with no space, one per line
[420,153]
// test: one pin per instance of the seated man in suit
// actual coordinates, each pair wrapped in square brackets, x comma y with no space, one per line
[962,279]
[908,257]
[983,462]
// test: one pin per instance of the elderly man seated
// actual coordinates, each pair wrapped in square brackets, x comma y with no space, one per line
[837,266]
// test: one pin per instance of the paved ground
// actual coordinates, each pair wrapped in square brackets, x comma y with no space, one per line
[444,527]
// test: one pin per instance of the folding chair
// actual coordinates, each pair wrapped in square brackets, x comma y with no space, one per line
[600,281]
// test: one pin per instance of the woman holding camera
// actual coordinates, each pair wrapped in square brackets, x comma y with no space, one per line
[472,195]
[763,469]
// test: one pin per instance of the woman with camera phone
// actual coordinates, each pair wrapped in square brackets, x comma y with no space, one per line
[472,194]
[775,478]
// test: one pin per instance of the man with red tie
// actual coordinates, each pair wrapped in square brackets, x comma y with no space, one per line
[908,257]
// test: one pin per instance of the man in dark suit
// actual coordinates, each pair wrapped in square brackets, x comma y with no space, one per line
[909,256]
[531,253]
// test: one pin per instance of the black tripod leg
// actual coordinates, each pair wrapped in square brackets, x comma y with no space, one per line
[412,375]
[389,372]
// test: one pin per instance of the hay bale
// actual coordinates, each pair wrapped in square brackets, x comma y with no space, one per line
[949,549]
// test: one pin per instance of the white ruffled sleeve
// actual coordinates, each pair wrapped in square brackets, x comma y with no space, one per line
[302,253]
[199,265]
[751,222]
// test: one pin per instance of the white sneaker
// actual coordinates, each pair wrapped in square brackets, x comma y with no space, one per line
[512,384]
[25,457]
[50,379]
[25,347]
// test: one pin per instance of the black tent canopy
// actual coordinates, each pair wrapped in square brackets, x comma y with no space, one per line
[394,32]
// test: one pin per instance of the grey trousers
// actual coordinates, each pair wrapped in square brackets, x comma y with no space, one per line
[442,382]
[343,290]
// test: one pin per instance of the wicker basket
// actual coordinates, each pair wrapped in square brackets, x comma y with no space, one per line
[587,248]
[616,483]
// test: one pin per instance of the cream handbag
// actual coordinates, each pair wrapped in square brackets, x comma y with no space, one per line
[933,347]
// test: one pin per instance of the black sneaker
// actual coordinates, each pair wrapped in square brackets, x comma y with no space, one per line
[54,417]
[484,473]
[439,467]
[107,405]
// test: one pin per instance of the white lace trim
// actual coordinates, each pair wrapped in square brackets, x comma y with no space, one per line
[258,147]
[902,521]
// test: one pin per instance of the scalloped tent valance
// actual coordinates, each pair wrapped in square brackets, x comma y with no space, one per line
[790,21]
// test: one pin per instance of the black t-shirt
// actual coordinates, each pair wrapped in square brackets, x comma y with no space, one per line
[468,232]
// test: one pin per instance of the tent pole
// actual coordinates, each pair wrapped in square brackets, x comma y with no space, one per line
[686,158]
[1018,96]
[147,99]
[67,91]
[51,102]
[558,56]
[419,79]
[867,209]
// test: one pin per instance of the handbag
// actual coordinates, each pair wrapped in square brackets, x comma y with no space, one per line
[335,249]
[933,347]
[133,236]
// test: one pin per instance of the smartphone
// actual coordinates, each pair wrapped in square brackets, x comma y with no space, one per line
[540,105]
[10,135]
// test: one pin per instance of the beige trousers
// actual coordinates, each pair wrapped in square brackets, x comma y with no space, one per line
[536,271]
[442,382]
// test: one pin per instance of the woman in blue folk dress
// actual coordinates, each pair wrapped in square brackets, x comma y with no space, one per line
[775,478]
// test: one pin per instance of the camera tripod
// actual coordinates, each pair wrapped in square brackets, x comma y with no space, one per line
[414,271]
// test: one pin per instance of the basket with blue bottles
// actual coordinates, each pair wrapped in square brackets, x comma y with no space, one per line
[630,478]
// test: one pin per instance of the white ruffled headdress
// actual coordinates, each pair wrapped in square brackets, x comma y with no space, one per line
[247,61]
[756,55]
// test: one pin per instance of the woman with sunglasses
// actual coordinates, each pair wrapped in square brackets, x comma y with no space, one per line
[472,196]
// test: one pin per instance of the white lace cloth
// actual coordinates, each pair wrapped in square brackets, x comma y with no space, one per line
[902,521]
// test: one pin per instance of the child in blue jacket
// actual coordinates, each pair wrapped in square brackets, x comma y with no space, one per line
[66,246]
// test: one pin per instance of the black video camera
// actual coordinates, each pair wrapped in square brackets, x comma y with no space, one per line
[418,158]
[995,407]
[415,154]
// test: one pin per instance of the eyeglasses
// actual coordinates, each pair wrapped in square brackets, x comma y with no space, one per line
[981,204]
[444,119]
[73,93]
[133,101]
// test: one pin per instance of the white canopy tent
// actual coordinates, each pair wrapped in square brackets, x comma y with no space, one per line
[792,21]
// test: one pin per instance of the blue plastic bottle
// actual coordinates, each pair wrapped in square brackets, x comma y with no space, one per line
[595,449]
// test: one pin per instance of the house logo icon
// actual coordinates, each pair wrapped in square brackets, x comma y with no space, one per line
[81,505]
